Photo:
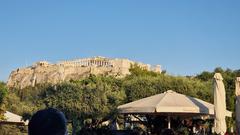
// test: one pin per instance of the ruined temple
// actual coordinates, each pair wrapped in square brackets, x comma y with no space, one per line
[45,72]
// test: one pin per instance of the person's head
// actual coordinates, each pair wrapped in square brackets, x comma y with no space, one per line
[48,122]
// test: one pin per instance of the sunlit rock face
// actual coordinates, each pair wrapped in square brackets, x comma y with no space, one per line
[44,72]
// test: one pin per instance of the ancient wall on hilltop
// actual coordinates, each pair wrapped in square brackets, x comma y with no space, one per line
[44,72]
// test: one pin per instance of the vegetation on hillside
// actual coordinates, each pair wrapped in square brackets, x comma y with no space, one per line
[90,101]
[3,93]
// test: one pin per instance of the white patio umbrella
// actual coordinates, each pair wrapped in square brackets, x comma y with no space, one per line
[169,103]
[238,104]
[220,105]
[13,118]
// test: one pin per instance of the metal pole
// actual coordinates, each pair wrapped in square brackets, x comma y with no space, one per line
[169,122]
[124,121]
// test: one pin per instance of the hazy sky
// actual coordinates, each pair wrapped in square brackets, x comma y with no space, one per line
[186,37]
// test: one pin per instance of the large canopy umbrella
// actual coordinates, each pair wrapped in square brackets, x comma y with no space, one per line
[238,104]
[220,105]
[169,103]
[11,118]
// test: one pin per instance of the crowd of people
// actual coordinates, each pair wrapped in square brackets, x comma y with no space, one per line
[53,122]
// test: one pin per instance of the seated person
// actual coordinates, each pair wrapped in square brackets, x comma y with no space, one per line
[48,122]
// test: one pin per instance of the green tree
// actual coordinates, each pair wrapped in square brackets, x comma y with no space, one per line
[94,98]
[136,71]
[3,93]
[205,76]
[142,84]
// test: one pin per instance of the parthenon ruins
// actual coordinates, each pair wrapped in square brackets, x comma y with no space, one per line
[96,61]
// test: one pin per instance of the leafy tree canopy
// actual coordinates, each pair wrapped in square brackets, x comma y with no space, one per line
[3,93]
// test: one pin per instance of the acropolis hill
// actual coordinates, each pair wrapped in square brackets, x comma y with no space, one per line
[44,72]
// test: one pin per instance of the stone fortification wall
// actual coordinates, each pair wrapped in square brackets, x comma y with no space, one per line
[44,72]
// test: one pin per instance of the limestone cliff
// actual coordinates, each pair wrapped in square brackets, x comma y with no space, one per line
[44,72]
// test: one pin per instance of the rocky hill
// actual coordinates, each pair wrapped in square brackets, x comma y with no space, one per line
[44,72]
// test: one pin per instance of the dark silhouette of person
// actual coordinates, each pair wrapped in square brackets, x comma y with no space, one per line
[168,132]
[48,122]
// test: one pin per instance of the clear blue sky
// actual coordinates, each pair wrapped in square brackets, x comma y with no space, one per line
[185,36]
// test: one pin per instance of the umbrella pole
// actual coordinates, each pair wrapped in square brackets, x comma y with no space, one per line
[169,122]
[124,119]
